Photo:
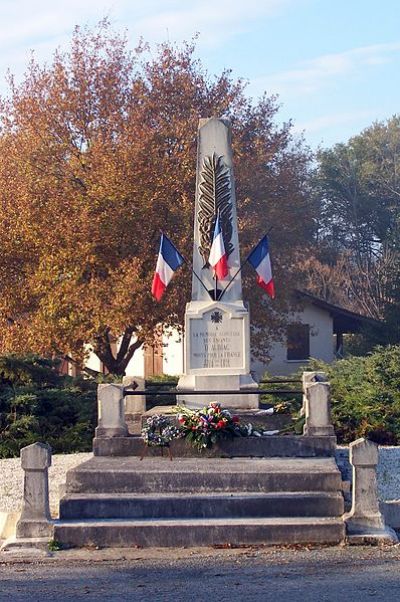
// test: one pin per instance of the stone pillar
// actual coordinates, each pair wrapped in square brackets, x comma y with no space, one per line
[365,520]
[309,378]
[111,411]
[317,410]
[135,404]
[35,521]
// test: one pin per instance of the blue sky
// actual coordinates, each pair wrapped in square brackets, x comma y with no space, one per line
[334,63]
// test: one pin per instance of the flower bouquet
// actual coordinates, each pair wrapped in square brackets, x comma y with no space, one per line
[202,428]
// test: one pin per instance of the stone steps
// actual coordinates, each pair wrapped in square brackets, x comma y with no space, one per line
[212,505]
[154,475]
[200,502]
[200,532]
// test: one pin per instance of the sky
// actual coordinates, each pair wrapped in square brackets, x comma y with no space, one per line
[334,64]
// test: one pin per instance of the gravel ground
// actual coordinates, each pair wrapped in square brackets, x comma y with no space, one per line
[11,480]
[336,574]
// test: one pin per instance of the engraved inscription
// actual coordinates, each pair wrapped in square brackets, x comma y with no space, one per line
[215,344]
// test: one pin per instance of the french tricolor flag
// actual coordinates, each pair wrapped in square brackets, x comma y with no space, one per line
[261,262]
[169,260]
[218,258]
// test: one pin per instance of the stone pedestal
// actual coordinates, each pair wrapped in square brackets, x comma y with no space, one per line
[365,522]
[317,410]
[111,411]
[217,355]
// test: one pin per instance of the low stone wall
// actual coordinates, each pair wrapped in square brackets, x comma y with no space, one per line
[388,470]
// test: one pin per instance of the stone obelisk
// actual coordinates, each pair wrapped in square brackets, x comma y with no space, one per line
[217,329]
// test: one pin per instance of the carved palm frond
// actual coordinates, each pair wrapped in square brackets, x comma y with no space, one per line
[214,196]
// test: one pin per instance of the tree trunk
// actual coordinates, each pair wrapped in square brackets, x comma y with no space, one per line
[116,364]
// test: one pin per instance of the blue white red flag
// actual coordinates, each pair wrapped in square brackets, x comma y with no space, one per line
[218,258]
[169,260]
[260,260]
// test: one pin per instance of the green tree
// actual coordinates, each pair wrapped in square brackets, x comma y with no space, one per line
[357,187]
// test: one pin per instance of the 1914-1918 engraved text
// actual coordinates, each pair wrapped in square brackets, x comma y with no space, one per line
[216,345]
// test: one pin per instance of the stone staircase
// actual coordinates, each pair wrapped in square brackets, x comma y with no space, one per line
[125,502]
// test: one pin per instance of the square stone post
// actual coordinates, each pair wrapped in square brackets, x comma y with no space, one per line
[308,378]
[35,517]
[317,410]
[135,405]
[111,411]
[365,522]
[34,528]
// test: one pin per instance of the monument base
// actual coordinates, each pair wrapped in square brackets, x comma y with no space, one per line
[217,355]
[197,382]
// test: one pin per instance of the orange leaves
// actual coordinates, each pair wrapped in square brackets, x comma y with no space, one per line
[97,154]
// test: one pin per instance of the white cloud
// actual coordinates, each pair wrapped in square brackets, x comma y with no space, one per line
[331,120]
[23,21]
[321,72]
[44,25]
[215,20]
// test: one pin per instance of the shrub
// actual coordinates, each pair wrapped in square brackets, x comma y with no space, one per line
[39,404]
[366,395]
[158,384]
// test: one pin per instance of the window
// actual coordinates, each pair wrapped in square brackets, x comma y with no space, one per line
[298,342]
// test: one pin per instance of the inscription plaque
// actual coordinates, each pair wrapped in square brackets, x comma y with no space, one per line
[216,341]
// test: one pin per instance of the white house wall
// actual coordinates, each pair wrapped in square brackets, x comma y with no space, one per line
[93,362]
[136,365]
[321,343]
[173,353]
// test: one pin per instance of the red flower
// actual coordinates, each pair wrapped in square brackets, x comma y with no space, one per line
[221,424]
[235,419]
[181,419]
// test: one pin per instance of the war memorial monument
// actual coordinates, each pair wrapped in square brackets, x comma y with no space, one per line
[217,326]
[268,490]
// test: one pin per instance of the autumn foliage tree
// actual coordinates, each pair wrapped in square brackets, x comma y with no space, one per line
[97,155]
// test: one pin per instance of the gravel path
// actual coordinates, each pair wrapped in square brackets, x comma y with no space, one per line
[11,480]
[354,574]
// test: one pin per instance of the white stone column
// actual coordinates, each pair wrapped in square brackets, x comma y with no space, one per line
[317,410]
[308,378]
[35,518]
[111,411]
[365,520]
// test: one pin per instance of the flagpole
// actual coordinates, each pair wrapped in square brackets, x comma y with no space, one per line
[191,269]
[198,278]
[242,265]
[233,278]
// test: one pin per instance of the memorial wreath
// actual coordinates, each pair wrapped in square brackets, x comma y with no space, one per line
[159,431]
